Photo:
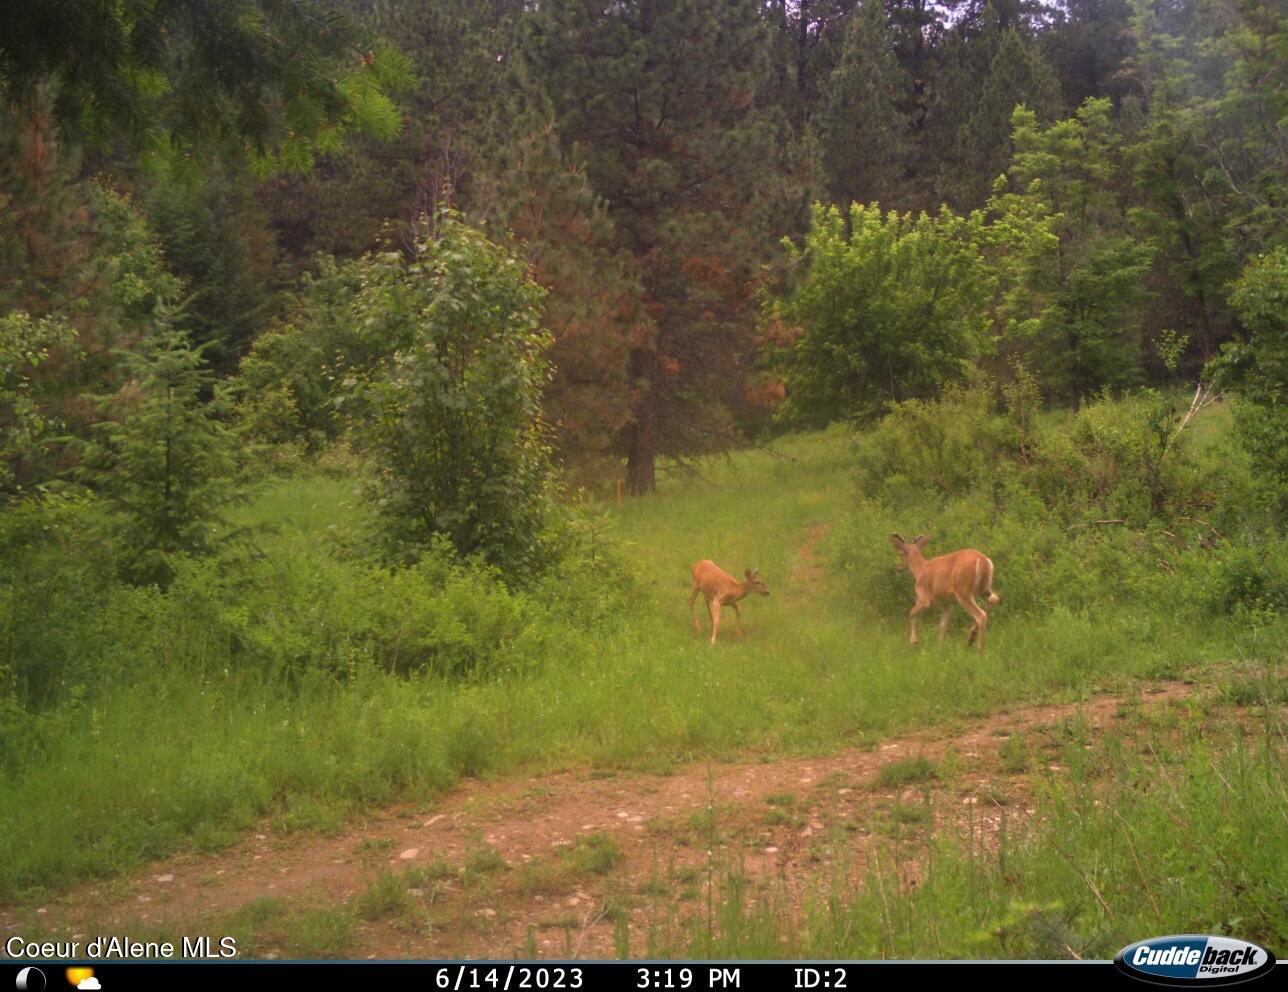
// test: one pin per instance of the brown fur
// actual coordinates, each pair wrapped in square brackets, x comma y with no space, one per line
[719,588]
[960,575]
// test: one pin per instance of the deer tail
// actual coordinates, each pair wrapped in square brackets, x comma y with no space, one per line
[988,582]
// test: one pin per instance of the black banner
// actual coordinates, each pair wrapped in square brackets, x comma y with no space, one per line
[569,976]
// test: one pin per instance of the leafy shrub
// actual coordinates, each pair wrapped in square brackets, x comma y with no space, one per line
[292,379]
[1108,504]
[54,578]
[1257,368]
[452,418]
[890,307]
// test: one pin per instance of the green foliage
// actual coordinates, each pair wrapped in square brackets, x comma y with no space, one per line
[1257,369]
[594,854]
[51,565]
[167,468]
[453,417]
[460,53]
[276,81]
[659,101]
[1076,273]
[890,308]
[213,238]
[906,772]
[292,380]
[25,429]
[83,278]
[1112,506]
[863,135]
[982,148]
[534,191]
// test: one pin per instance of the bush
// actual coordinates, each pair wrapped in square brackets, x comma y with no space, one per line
[1257,369]
[452,418]
[292,379]
[1106,506]
[890,308]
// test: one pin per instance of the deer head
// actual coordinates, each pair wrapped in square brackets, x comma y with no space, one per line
[904,548]
[754,582]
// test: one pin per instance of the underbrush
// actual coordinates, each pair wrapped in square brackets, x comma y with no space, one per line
[1162,836]
[291,680]
[1111,512]
[284,677]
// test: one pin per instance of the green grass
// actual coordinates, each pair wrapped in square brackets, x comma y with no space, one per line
[208,744]
[906,772]
[1181,846]
[384,897]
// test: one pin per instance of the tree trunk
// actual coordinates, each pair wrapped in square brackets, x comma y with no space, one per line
[641,459]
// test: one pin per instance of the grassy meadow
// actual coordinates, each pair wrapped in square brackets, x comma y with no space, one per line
[303,685]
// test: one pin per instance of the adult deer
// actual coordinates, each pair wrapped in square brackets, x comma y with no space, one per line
[962,575]
[719,588]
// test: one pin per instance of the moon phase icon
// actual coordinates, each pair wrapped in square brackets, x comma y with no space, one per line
[32,979]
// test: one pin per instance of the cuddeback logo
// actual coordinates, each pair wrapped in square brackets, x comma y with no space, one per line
[1190,959]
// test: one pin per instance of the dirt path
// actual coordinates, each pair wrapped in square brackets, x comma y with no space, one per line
[505,868]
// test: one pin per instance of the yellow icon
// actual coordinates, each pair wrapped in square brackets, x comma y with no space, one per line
[77,975]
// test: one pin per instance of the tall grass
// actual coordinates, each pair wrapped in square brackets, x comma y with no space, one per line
[301,684]
[1161,837]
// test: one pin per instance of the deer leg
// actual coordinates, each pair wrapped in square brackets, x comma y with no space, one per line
[737,629]
[715,619]
[981,619]
[943,624]
[922,605]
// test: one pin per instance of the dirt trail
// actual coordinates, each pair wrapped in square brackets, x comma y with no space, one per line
[782,821]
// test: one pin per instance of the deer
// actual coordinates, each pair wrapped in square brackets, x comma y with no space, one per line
[719,588]
[963,575]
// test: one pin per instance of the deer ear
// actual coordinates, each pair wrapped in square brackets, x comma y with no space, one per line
[897,541]
[747,573]
[922,540]
[755,571]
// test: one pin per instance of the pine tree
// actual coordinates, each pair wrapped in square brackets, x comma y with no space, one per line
[660,96]
[865,139]
[1088,46]
[214,237]
[461,53]
[168,467]
[275,81]
[528,187]
[981,148]
[1076,264]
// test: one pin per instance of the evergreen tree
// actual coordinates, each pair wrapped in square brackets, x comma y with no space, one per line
[1211,154]
[277,80]
[981,148]
[1088,45]
[528,187]
[660,95]
[461,53]
[78,255]
[806,38]
[214,237]
[1076,267]
[168,467]
[865,139]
